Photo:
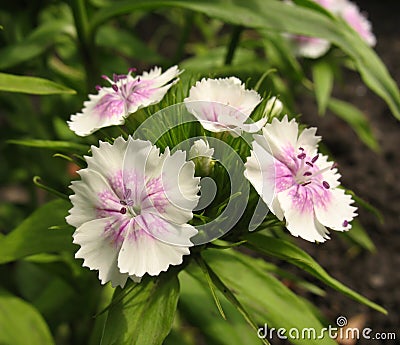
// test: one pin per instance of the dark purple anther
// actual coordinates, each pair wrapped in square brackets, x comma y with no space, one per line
[314,159]
[98,87]
[326,184]
[301,156]
[122,210]
[115,87]
[345,223]
[301,149]
[122,202]
[310,164]
[132,69]
[307,173]
[306,183]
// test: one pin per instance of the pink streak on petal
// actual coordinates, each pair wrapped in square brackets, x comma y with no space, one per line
[110,105]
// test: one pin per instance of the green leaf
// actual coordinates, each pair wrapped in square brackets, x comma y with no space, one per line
[34,45]
[269,14]
[265,298]
[356,119]
[288,251]
[31,85]
[144,316]
[63,146]
[198,309]
[20,323]
[359,236]
[323,82]
[33,235]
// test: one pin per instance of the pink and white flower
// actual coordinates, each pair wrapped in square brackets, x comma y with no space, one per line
[131,209]
[112,105]
[224,105]
[297,183]
[313,47]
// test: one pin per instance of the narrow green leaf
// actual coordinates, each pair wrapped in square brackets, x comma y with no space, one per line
[265,298]
[364,204]
[31,85]
[63,146]
[33,235]
[323,83]
[230,296]
[145,315]
[20,323]
[356,119]
[288,251]
[34,45]
[210,283]
[198,309]
[359,236]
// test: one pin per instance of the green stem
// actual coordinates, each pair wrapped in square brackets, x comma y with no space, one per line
[237,31]
[86,44]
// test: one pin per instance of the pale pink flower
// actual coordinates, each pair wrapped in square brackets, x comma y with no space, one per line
[131,208]
[297,183]
[313,47]
[224,105]
[112,105]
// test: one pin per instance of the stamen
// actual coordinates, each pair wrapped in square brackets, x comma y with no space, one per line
[326,184]
[122,210]
[310,164]
[115,87]
[301,149]
[301,156]
[345,223]
[306,183]
[105,77]
[98,87]
[132,69]
[314,159]
[307,173]
[122,202]
[115,77]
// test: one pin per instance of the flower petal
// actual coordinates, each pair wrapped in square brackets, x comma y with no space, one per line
[99,251]
[299,214]
[102,110]
[141,253]
[338,213]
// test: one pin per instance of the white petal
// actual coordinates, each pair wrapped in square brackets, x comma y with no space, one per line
[141,253]
[338,212]
[300,220]
[180,188]
[107,159]
[87,197]
[307,139]
[313,48]
[99,251]
[91,119]
[279,136]
[158,78]
[260,171]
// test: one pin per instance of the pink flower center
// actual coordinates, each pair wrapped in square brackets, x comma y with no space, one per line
[308,172]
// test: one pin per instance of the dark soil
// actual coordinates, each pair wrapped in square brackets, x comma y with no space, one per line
[373,176]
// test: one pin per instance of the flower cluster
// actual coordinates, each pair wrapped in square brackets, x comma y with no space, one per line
[133,206]
[313,47]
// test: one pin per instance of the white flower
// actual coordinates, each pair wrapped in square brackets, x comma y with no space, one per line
[223,105]
[273,107]
[201,154]
[112,105]
[297,183]
[131,209]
